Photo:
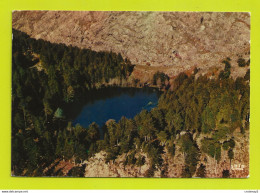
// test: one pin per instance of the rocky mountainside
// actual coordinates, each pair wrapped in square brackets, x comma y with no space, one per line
[175,41]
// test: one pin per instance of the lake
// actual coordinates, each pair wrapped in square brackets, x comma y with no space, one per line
[113,103]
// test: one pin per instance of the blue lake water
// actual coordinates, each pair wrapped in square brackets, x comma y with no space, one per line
[115,103]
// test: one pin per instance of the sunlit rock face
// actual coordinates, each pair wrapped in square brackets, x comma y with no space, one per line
[180,40]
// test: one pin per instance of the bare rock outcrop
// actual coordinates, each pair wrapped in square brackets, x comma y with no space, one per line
[97,167]
[177,40]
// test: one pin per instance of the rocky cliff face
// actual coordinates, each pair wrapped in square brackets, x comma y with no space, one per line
[176,41]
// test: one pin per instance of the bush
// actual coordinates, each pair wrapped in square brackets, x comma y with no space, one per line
[186,172]
[112,154]
[230,154]
[171,149]
[247,75]
[241,62]
[201,172]
[77,171]
[225,174]
[140,161]
[131,160]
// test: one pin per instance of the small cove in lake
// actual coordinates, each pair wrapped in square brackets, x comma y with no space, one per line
[111,103]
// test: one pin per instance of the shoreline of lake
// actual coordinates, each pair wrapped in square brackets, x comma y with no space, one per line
[111,103]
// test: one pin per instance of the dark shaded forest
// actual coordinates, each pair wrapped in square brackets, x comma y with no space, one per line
[41,133]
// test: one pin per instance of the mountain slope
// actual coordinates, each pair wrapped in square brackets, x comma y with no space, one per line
[176,40]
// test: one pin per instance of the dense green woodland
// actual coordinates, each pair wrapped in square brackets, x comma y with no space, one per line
[41,133]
